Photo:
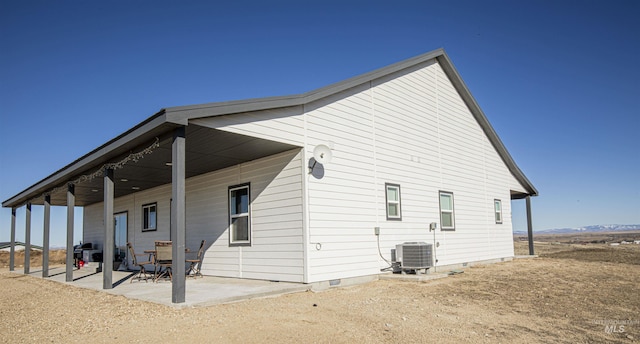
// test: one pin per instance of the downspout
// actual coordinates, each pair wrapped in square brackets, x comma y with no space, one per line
[375,170]
[435,242]
[305,202]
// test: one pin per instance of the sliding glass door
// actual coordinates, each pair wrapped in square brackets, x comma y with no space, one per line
[120,237]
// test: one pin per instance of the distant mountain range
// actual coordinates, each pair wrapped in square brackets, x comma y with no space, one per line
[593,228]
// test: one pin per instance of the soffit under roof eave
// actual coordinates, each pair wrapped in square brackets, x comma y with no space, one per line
[522,195]
[154,125]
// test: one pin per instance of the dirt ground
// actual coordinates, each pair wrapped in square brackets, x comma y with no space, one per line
[570,294]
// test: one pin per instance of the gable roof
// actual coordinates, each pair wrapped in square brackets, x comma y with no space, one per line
[182,114]
[172,117]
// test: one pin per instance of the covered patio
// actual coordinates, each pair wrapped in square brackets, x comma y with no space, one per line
[164,149]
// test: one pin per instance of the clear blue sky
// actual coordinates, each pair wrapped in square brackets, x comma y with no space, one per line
[558,80]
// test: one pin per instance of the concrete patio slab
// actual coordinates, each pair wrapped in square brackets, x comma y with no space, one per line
[203,291]
[208,290]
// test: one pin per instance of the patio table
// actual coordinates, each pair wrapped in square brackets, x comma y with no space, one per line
[152,253]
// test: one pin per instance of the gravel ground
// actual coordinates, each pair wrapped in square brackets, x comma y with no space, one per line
[565,296]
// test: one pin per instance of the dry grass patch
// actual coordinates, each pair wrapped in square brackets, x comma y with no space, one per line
[56,257]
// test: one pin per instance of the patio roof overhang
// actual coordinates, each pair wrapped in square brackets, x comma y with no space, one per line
[518,195]
[150,144]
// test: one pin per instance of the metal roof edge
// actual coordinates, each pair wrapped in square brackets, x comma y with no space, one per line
[72,168]
[369,76]
[477,112]
[184,113]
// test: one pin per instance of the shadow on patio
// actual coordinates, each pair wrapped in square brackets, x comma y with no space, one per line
[204,291]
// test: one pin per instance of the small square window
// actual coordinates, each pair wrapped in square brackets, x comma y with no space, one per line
[497,205]
[149,217]
[393,202]
[447,218]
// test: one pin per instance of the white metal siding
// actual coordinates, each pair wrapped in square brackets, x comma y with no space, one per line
[276,252]
[93,218]
[93,225]
[342,204]
[411,129]
[280,125]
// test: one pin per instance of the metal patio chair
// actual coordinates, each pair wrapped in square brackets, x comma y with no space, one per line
[134,260]
[196,264]
[164,257]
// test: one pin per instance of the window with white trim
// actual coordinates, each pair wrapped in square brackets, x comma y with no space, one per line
[239,215]
[149,217]
[447,218]
[393,201]
[497,206]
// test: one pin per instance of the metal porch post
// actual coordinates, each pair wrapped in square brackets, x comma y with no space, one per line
[45,236]
[107,249]
[71,203]
[27,240]
[12,249]
[178,216]
[529,226]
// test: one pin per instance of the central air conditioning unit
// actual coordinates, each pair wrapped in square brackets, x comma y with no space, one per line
[412,257]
